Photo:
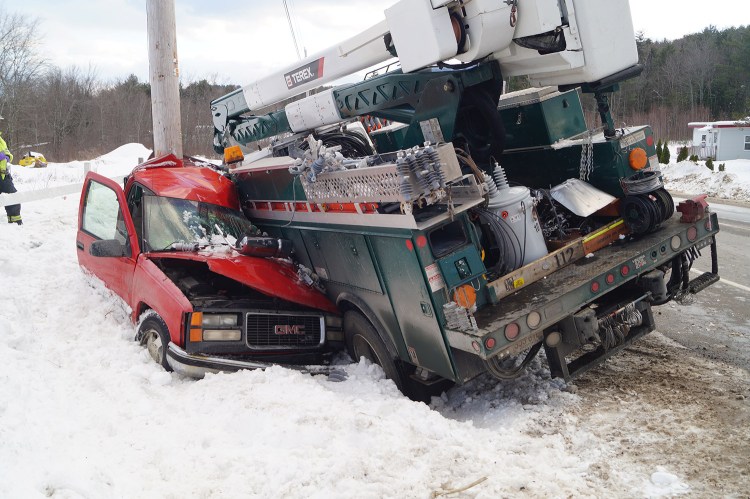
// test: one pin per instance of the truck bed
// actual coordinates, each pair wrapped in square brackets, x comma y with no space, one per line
[570,288]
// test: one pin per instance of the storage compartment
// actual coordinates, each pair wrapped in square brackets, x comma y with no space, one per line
[540,116]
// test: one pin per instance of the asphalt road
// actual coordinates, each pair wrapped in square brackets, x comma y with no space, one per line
[716,323]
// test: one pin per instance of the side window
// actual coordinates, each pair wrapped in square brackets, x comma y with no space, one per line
[135,206]
[747,142]
[102,217]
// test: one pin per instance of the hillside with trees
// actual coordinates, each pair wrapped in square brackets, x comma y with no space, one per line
[700,77]
[71,114]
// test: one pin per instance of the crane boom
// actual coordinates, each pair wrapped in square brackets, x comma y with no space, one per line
[553,42]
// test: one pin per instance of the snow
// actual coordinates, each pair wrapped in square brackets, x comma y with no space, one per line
[86,413]
[691,178]
[117,162]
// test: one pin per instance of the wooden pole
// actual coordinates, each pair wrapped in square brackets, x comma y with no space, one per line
[164,76]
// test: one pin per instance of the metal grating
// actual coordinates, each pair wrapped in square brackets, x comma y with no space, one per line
[274,331]
[374,184]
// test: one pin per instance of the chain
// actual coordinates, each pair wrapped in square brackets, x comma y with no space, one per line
[587,158]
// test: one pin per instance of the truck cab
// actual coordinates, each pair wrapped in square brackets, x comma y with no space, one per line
[169,244]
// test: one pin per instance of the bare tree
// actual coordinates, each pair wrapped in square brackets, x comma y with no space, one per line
[20,64]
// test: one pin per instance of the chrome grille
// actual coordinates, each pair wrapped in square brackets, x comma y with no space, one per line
[283,331]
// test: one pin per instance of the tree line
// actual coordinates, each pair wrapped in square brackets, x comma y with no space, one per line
[70,114]
[700,77]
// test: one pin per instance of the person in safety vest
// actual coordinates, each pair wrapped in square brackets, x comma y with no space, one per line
[6,182]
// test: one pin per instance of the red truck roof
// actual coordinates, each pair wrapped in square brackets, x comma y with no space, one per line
[171,177]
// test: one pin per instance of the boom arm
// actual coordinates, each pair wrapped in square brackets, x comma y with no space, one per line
[554,42]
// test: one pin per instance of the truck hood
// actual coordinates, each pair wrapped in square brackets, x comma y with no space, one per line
[272,277]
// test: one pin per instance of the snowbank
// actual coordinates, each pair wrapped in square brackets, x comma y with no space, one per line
[693,179]
[118,162]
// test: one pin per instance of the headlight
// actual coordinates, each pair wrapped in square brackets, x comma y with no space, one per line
[219,320]
[222,335]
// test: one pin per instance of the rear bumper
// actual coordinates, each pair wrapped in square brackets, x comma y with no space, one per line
[197,366]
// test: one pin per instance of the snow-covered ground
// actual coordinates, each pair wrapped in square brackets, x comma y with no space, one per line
[118,162]
[696,178]
[691,178]
[85,413]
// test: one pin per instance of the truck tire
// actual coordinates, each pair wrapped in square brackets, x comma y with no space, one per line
[362,340]
[153,334]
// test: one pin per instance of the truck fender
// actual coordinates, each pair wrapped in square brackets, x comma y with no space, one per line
[349,301]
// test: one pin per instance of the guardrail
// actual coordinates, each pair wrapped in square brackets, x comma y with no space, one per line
[50,192]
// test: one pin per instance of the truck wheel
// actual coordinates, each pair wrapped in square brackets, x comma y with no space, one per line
[362,340]
[154,335]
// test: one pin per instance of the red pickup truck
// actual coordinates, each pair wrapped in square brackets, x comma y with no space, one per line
[175,247]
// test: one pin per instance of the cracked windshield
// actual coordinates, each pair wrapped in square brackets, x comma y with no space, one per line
[170,222]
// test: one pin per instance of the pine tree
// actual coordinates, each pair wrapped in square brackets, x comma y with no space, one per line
[665,154]
[658,151]
[710,164]
[683,155]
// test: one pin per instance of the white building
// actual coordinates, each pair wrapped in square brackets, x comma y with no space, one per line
[721,140]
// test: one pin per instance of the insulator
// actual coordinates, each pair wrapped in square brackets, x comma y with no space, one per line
[315,168]
[264,247]
[421,158]
[184,246]
[491,186]
[433,158]
[402,166]
[413,164]
[407,192]
[501,181]
[419,174]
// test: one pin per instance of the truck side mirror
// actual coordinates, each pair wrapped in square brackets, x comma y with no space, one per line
[108,247]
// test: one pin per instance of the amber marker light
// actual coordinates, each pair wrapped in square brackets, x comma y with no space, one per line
[196,321]
[233,154]
[638,159]
[465,296]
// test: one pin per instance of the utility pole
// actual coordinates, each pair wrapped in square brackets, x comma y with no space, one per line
[164,76]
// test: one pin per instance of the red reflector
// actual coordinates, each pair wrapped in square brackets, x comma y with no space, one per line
[692,233]
[650,140]
[421,241]
[625,270]
[610,278]
[489,343]
[595,287]
[511,331]
[409,245]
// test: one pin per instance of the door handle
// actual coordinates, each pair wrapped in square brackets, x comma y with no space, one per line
[79,245]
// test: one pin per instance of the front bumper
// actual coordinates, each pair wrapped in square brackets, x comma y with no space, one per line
[196,366]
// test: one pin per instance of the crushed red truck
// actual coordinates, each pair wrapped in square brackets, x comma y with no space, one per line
[421,218]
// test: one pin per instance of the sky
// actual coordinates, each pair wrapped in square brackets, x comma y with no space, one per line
[233,41]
